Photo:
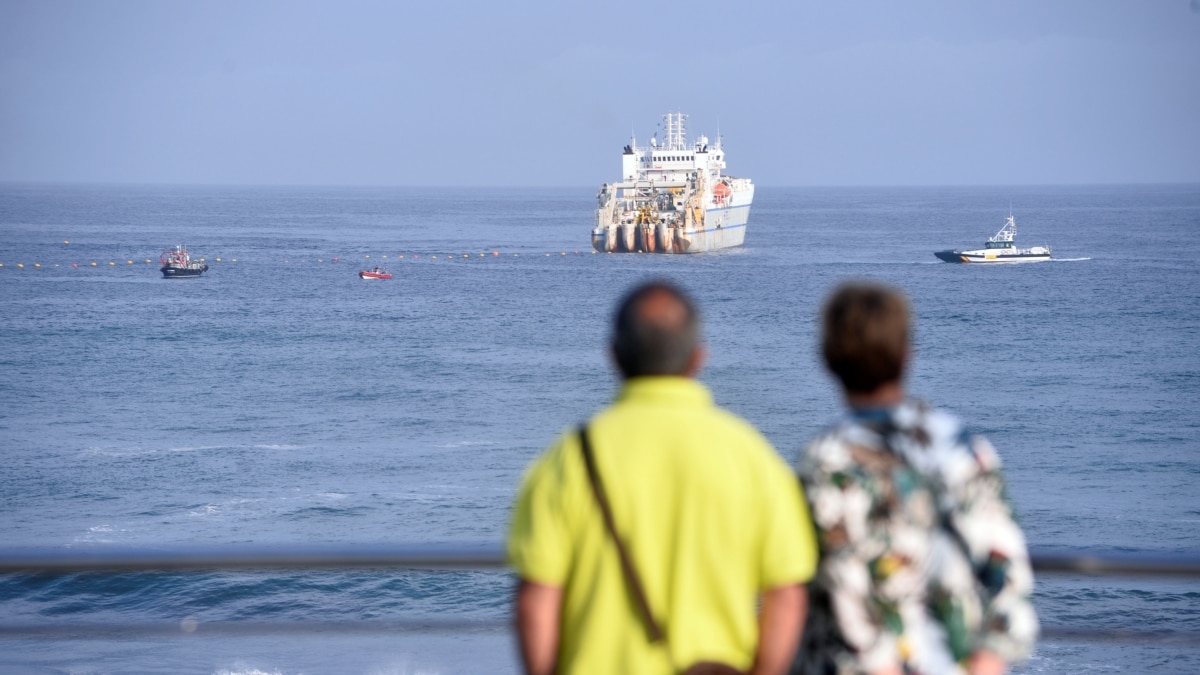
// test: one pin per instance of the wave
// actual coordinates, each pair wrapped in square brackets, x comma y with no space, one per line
[136,450]
[246,670]
[463,444]
[103,534]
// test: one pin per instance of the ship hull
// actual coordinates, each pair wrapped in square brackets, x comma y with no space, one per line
[673,240]
[979,257]
[708,240]
[170,272]
[722,227]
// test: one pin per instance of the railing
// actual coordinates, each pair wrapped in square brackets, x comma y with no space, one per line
[456,556]
[451,557]
[207,558]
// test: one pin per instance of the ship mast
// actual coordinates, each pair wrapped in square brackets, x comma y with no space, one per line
[676,131]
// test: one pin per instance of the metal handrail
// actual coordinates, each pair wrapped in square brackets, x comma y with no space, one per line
[291,557]
[459,556]
[450,556]
[1117,563]
[190,626]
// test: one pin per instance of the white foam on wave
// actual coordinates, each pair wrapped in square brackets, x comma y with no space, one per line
[463,444]
[217,509]
[246,670]
[1068,259]
[195,448]
[135,450]
[402,669]
[119,452]
[203,511]
[102,534]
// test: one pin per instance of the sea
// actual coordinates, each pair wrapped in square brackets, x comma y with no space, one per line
[280,400]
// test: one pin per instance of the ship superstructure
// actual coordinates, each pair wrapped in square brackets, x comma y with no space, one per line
[673,197]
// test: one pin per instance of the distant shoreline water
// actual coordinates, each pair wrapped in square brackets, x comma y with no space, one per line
[282,400]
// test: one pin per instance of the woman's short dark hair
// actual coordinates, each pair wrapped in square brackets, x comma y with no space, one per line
[864,336]
[656,330]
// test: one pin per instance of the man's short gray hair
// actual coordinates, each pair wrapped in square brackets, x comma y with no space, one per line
[656,330]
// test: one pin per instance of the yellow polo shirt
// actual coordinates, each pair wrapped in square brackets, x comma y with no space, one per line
[712,517]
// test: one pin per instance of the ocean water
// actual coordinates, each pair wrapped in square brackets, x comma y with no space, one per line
[280,399]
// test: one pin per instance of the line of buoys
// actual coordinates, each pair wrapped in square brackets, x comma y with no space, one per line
[455,256]
[335,259]
[113,263]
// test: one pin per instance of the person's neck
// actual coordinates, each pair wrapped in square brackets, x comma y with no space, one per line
[884,396]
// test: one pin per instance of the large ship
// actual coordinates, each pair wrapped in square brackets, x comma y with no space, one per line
[1002,248]
[673,197]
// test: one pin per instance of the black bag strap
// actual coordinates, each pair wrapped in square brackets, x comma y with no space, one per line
[653,629]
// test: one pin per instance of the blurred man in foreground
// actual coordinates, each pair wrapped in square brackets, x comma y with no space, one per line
[713,523]
[923,569]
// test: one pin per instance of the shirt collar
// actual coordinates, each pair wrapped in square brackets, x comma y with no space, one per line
[902,413]
[878,413]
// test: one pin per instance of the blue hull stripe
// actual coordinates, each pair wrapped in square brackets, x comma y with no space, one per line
[714,229]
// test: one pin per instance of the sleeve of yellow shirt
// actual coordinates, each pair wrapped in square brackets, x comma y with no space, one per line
[789,548]
[537,535]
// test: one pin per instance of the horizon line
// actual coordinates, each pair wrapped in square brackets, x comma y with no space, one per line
[439,186]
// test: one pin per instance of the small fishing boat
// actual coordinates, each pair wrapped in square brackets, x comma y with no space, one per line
[1001,248]
[374,274]
[177,264]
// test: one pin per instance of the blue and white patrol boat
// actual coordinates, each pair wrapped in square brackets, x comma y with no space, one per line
[1001,248]
[673,198]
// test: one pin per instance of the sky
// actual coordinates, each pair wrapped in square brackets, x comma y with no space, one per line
[546,92]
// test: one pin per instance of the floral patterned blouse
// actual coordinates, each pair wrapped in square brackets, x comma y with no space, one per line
[922,563]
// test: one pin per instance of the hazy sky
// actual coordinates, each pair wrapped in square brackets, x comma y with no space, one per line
[545,93]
